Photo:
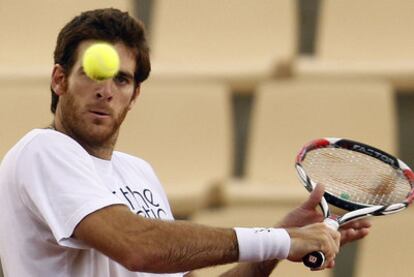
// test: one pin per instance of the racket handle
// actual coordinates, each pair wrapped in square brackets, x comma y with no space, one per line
[316,259]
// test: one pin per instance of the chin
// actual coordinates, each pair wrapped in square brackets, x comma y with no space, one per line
[100,135]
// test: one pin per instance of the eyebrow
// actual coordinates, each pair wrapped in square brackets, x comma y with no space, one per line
[125,74]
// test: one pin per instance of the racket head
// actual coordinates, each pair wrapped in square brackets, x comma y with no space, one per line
[356,176]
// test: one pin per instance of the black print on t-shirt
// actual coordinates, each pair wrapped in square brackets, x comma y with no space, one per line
[142,203]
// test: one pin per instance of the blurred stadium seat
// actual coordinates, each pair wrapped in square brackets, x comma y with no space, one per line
[184,130]
[237,42]
[371,39]
[386,251]
[30,28]
[285,116]
[288,114]
[24,106]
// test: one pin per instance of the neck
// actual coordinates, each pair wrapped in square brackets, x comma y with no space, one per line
[103,151]
[99,150]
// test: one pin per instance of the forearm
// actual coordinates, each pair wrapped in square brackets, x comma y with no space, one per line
[151,245]
[181,246]
[252,269]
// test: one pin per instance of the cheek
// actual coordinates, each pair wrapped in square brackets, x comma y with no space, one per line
[74,100]
[126,100]
[131,104]
[70,105]
[124,105]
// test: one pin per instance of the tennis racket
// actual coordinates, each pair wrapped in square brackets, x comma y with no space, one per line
[359,179]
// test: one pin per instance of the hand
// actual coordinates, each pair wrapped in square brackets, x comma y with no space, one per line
[314,237]
[354,230]
[307,214]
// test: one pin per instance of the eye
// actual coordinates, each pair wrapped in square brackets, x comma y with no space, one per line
[122,80]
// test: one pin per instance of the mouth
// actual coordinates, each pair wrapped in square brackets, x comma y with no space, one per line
[100,113]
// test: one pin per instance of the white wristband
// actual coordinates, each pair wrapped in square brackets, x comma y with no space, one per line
[262,244]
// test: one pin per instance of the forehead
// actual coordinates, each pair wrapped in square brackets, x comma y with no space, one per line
[126,55]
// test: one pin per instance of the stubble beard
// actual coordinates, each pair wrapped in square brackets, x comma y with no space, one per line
[90,134]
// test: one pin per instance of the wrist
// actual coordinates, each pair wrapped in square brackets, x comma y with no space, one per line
[262,244]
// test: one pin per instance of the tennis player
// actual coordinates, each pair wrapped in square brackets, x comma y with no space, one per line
[72,206]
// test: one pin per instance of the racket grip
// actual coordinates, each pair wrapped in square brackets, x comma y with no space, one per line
[316,259]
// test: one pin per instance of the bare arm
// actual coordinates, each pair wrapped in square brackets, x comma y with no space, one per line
[158,246]
[151,245]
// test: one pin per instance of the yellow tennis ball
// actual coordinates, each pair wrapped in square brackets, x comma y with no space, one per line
[100,61]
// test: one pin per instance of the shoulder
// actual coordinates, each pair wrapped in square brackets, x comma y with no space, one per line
[46,144]
[47,138]
[42,153]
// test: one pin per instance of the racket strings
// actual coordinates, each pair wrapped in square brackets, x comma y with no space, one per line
[356,177]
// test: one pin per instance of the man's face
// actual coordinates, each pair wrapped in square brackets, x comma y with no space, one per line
[92,111]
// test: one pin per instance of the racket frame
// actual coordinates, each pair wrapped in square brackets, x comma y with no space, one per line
[355,210]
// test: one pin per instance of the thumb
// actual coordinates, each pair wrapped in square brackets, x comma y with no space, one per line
[314,198]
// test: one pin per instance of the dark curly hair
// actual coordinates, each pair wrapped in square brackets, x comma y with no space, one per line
[111,25]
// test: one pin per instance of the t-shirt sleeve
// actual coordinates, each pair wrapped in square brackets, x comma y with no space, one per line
[60,185]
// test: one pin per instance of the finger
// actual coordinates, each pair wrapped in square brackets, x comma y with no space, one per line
[334,244]
[329,245]
[352,235]
[357,224]
[314,198]
[328,264]
[336,235]
[331,264]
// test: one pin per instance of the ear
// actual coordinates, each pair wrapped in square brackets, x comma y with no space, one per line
[135,95]
[58,83]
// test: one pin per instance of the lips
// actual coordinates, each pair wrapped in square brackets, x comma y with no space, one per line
[103,113]
[100,112]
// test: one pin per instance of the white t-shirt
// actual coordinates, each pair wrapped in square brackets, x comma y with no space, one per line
[48,184]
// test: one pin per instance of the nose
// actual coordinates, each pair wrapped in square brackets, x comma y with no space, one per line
[105,90]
